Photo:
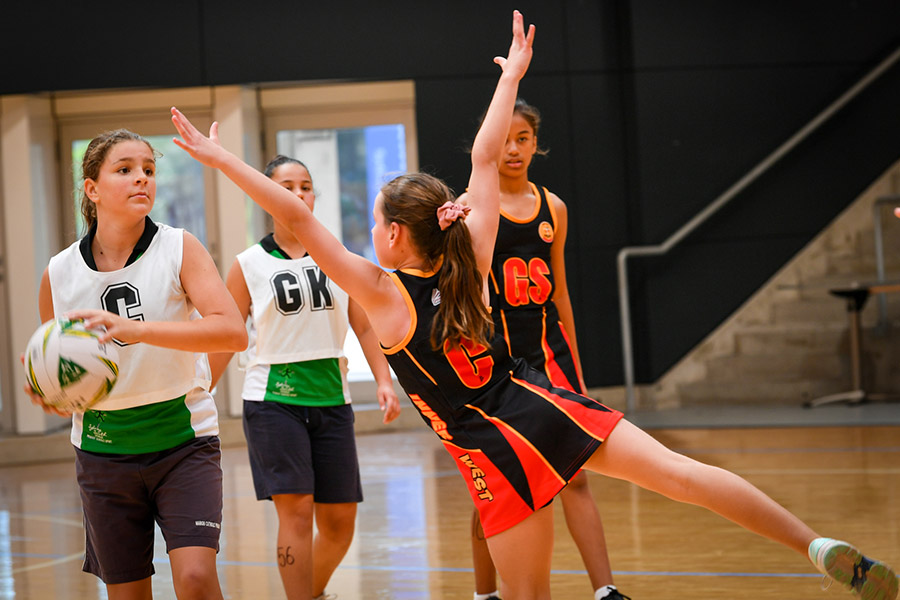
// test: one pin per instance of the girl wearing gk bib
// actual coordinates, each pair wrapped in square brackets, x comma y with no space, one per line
[531,308]
[149,452]
[516,438]
[297,415]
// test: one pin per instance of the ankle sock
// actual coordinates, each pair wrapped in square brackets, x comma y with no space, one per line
[603,592]
[813,550]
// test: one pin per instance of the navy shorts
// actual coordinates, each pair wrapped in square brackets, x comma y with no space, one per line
[123,495]
[302,450]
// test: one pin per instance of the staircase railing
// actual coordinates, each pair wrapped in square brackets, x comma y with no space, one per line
[701,217]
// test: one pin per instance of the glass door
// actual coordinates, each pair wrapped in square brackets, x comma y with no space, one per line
[353,138]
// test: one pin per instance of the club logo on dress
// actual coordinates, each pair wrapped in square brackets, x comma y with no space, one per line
[435,297]
[545,230]
[437,423]
[478,478]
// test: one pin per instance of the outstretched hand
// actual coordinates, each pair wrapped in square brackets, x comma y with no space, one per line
[205,149]
[516,62]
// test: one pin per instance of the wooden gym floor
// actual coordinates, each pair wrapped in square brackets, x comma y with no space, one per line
[412,532]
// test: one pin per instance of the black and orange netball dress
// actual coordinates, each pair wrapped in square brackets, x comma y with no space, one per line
[516,438]
[522,286]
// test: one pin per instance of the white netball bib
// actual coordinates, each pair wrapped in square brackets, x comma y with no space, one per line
[149,289]
[297,314]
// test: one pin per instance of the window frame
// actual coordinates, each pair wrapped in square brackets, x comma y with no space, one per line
[82,116]
[338,106]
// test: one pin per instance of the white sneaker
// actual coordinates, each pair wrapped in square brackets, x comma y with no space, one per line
[868,579]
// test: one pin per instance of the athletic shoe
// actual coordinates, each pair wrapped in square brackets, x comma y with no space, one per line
[614,594]
[868,579]
[325,596]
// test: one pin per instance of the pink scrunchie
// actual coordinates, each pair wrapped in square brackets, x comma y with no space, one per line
[448,212]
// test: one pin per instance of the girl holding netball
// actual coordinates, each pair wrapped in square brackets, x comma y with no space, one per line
[515,439]
[149,452]
[532,310]
[297,415]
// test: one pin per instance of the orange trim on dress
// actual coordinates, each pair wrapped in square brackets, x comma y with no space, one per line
[421,273]
[552,209]
[537,209]
[413,318]
[421,368]
[500,422]
[546,395]
[494,282]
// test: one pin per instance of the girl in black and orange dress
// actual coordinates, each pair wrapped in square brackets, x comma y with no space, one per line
[516,439]
[531,308]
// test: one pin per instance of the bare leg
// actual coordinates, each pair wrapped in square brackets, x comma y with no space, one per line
[485,573]
[194,573]
[295,533]
[133,590]
[586,528]
[522,555]
[631,454]
[335,524]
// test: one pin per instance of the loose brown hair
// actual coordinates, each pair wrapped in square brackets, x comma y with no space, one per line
[412,200]
[93,159]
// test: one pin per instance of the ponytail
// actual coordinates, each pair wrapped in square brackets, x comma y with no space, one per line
[413,200]
[463,313]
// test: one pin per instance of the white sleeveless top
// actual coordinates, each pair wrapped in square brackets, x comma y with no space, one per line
[149,289]
[297,314]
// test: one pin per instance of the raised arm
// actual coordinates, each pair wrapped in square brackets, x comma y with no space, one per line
[483,193]
[367,283]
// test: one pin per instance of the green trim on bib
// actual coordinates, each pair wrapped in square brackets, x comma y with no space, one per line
[308,383]
[138,430]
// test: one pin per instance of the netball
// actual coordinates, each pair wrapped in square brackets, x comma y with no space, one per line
[68,366]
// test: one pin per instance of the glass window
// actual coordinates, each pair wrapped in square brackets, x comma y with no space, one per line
[348,167]
[180,189]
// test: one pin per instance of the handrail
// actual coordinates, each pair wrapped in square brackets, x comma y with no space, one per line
[894,200]
[715,206]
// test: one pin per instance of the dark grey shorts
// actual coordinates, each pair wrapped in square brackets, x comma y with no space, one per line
[123,495]
[302,450]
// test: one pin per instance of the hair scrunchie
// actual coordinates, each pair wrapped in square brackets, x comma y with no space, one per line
[448,212]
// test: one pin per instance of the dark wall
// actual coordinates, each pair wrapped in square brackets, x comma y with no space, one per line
[651,110]
[716,88]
